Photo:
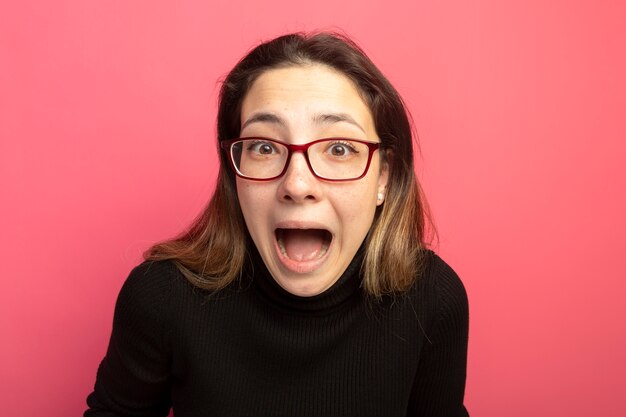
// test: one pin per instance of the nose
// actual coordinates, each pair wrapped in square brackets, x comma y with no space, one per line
[299,184]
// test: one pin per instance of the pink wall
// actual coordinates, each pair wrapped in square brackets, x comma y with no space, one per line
[107,113]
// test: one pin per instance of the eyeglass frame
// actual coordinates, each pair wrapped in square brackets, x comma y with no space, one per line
[303,148]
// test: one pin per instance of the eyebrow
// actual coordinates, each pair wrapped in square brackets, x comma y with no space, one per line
[320,118]
[335,118]
[264,117]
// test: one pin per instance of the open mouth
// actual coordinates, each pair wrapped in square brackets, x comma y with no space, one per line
[302,245]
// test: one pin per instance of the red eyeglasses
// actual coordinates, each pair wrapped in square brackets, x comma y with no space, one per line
[330,159]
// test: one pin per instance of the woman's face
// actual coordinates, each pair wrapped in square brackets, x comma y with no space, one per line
[308,230]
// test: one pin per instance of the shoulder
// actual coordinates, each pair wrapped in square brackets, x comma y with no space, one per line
[438,274]
[150,277]
[440,294]
[146,290]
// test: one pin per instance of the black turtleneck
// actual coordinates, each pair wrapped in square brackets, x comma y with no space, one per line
[257,350]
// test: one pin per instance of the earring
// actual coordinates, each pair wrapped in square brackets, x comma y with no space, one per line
[380,196]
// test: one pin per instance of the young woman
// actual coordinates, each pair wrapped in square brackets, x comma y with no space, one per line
[304,288]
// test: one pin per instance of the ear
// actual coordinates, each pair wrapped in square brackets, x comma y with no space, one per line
[383,178]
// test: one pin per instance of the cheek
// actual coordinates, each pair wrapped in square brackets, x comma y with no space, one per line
[252,199]
[243,196]
[357,206]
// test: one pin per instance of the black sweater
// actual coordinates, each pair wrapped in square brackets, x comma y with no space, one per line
[257,350]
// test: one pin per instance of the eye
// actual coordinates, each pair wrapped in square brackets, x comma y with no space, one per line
[262,147]
[341,149]
[338,150]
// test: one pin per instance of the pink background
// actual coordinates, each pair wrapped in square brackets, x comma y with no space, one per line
[107,112]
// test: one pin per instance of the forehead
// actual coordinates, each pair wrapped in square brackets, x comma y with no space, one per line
[302,91]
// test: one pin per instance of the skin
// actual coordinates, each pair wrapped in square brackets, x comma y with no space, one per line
[294,98]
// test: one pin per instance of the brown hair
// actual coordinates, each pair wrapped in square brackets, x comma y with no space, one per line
[211,253]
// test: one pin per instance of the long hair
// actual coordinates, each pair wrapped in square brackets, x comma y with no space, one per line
[211,253]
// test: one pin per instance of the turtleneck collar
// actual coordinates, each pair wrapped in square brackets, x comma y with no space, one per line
[326,302]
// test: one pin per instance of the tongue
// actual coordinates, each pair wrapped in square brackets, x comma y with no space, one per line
[303,244]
